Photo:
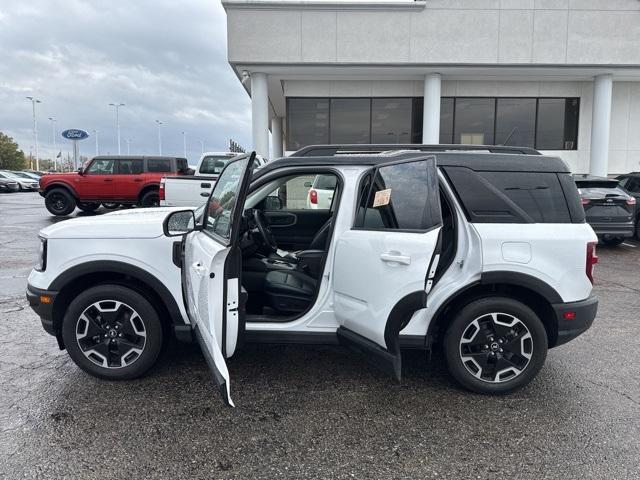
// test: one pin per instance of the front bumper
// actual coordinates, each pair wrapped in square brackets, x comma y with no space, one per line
[9,187]
[41,301]
[574,318]
[624,230]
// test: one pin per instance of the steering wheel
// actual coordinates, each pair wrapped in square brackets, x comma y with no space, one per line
[265,231]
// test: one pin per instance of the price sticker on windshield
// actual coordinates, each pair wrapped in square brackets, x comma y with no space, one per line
[382,198]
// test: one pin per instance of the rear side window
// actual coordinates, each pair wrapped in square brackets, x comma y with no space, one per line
[159,165]
[130,166]
[510,197]
[402,196]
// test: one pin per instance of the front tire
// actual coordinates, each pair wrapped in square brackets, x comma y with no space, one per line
[59,202]
[150,199]
[495,346]
[112,332]
[88,207]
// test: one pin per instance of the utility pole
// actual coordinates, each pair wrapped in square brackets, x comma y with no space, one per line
[95,134]
[202,147]
[159,124]
[128,140]
[35,129]
[184,143]
[117,107]
[55,150]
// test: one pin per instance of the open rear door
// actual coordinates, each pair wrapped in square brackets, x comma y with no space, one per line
[385,265]
[213,263]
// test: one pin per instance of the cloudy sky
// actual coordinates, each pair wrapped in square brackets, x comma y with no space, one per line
[164,59]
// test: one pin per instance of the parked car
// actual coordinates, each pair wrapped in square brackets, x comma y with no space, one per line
[24,184]
[485,254]
[193,190]
[126,180]
[631,184]
[321,192]
[608,208]
[8,185]
[27,175]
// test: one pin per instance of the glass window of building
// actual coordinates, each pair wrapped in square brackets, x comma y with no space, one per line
[550,128]
[391,120]
[474,121]
[516,122]
[350,120]
[308,122]
[446,120]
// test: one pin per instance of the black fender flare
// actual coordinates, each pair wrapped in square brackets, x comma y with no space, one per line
[136,273]
[62,185]
[522,280]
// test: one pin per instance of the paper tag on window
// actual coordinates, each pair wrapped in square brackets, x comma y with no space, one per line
[281,253]
[382,198]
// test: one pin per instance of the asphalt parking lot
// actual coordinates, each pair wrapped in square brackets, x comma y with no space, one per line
[313,412]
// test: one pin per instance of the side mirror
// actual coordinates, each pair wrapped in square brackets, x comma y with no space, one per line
[273,203]
[179,223]
[81,170]
[308,184]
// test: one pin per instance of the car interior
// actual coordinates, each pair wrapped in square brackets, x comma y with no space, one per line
[284,247]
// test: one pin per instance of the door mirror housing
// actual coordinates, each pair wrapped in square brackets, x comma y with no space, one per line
[81,170]
[273,203]
[179,223]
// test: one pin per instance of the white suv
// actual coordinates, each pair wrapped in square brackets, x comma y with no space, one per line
[483,253]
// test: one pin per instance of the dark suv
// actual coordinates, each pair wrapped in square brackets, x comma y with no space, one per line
[631,183]
[608,208]
[127,180]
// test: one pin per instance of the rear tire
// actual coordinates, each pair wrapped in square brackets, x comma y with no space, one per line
[88,207]
[112,332]
[150,199]
[110,206]
[59,202]
[495,345]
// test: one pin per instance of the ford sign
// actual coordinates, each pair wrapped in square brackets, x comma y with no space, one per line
[74,134]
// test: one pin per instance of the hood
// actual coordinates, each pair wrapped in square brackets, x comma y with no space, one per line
[134,223]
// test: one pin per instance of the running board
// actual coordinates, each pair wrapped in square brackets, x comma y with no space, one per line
[376,355]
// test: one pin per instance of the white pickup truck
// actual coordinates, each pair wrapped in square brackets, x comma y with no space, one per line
[193,190]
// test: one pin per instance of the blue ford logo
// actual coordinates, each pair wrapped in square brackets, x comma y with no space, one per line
[74,134]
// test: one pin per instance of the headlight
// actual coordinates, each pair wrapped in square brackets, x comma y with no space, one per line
[42,255]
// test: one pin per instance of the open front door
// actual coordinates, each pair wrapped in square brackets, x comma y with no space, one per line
[385,265]
[213,265]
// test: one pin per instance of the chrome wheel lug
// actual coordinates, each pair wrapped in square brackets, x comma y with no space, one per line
[499,341]
[485,346]
[500,350]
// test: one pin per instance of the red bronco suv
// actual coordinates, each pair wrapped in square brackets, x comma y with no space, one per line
[109,180]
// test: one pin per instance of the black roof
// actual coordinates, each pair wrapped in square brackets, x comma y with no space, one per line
[137,157]
[477,161]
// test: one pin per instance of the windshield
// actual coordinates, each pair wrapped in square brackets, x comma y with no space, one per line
[9,175]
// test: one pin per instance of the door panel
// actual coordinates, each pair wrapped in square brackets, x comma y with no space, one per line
[385,266]
[294,229]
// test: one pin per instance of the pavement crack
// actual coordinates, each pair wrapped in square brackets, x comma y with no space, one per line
[611,389]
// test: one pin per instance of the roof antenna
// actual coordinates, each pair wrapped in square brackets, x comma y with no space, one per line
[513,131]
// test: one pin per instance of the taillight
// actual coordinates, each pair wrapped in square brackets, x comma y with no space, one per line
[631,201]
[592,259]
[313,196]
[585,201]
[161,190]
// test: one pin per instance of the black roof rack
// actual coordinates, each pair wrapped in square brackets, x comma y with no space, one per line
[331,150]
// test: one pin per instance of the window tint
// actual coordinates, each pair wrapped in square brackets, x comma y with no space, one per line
[633,185]
[307,122]
[214,164]
[159,165]
[516,121]
[325,182]
[303,192]
[102,166]
[557,127]
[223,199]
[130,166]
[391,120]
[538,194]
[402,197]
[350,120]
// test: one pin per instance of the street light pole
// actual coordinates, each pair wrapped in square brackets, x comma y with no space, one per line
[184,143]
[159,123]
[35,129]
[202,147]
[95,134]
[128,140]
[117,107]
[53,135]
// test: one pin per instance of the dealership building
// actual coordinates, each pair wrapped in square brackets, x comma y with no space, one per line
[562,76]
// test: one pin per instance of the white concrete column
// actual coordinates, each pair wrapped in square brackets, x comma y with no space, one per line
[260,113]
[431,115]
[601,125]
[276,137]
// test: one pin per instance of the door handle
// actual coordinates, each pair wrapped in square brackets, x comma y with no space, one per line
[205,185]
[108,179]
[395,257]
[204,194]
[137,179]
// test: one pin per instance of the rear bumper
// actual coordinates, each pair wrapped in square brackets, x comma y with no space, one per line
[624,230]
[36,298]
[581,315]
[9,188]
